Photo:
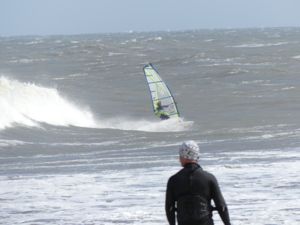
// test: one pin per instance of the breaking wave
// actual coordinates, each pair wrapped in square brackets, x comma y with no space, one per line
[28,104]
[259,45]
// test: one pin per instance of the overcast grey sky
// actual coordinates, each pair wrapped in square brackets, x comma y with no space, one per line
[44,17]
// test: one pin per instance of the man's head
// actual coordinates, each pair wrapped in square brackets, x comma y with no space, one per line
[189,152]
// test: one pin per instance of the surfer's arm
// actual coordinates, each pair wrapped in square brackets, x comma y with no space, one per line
[170,205]
[220,202]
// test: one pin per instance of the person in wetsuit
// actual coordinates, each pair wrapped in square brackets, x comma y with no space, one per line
[190,192]
[160,112]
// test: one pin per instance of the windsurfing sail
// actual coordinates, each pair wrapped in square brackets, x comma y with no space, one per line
[164,105]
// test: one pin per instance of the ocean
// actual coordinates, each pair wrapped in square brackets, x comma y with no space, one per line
[79,143]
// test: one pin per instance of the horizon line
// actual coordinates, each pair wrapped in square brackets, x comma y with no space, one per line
[153,31]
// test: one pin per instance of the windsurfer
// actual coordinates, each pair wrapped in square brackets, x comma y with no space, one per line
[159,111]
[163,103]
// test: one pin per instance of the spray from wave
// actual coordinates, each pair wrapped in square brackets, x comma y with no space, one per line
[170,125]
[27,104]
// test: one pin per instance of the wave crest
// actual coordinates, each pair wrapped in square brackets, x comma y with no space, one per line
[28,104]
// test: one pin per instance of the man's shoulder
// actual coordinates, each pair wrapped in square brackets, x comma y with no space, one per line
[200,171]
[206,172]
[176,175]
[209,176]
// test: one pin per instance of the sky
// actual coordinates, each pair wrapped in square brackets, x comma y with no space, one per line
[51,17]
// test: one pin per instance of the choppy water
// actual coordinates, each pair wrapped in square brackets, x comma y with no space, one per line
[79,143]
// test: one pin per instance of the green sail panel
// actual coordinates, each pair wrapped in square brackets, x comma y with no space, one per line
[164,105]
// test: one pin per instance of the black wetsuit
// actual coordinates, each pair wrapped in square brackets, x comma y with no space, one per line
[204,185]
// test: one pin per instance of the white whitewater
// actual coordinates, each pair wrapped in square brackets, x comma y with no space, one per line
[28,104]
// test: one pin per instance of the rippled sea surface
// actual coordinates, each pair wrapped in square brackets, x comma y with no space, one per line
[79,143]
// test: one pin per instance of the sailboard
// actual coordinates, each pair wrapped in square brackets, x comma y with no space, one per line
[164,105]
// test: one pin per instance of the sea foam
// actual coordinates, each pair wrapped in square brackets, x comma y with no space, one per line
[28,104]
[258,45]
[170,125]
